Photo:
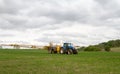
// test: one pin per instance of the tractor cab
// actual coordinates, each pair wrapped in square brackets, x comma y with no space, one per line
[68,46]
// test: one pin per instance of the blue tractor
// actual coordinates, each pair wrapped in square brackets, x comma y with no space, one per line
[68,48]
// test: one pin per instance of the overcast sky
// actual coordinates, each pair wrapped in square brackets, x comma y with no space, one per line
[82,22]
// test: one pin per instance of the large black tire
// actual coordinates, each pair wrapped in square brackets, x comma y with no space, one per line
[75,51]
[55,50]
[62,51]
[51,51]
[69,51]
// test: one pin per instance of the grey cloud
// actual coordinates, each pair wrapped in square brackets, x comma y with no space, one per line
[54,15]
[76,38]
[63,10]
[20,22]
[54,11]
[6,35]
[110,7]
[10,6]
[65,34]
[59,12]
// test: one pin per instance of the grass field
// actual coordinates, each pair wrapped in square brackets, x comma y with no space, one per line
[115,49]
[40,62]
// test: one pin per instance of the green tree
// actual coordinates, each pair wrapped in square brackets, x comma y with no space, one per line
[92,48]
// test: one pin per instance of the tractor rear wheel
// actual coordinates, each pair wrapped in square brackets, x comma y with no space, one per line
[75,51]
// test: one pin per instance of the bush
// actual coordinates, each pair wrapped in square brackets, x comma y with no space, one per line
[107,48]
[81,49]
[92,48]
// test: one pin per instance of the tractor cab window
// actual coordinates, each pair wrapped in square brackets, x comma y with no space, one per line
[65,44]
[68,44]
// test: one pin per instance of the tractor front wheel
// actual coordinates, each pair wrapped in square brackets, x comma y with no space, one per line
[61,51]
[69,51]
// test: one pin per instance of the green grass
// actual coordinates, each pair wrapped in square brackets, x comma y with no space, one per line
[40,62]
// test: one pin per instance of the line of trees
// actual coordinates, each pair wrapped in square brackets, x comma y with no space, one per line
[105,46]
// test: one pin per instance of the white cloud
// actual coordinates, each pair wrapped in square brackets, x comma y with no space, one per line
[82,22]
